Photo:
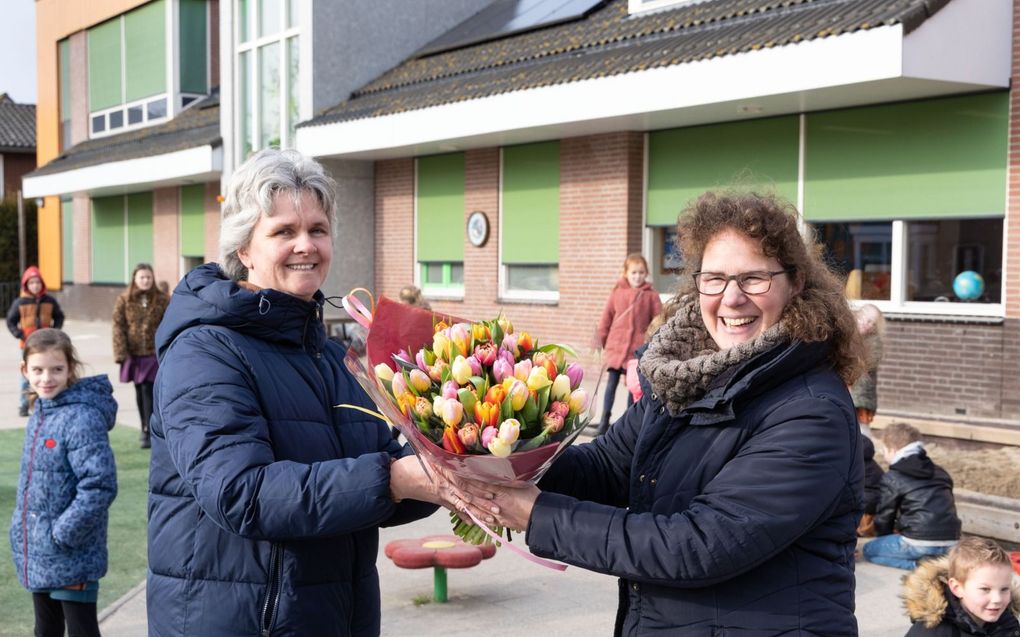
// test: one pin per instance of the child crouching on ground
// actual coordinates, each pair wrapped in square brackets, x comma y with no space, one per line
[68,480]
[915,500]
[971,591]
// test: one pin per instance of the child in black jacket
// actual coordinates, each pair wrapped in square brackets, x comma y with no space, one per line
[967,593]
[872,488]
[916,500]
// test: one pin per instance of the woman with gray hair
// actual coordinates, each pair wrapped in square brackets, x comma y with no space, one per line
[265,498]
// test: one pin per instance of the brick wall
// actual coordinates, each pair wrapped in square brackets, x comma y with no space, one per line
[951,369]
[166,235]
[1012,225]
[600,223]
[16,166]
[394,225]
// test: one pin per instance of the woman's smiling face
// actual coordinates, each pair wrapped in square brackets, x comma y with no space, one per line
[734,316]
[291,250]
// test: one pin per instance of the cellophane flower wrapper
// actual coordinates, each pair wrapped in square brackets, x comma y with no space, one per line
[397,328]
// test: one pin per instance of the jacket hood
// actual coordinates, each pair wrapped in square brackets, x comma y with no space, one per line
[917,465]
[924,593]
[94,391]
[207,296]
[30,272]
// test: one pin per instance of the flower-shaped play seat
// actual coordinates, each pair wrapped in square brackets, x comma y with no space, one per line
[440,552]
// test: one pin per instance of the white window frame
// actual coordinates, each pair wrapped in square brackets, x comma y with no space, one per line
[506,293]
[251,47]
[430,292]
[897,303]
[644,6]
[173,97]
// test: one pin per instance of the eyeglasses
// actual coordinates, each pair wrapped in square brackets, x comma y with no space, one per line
[757,282]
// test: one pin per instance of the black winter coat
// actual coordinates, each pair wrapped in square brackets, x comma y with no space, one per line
[872,476]
[917,501]
[265,500]
[736,517]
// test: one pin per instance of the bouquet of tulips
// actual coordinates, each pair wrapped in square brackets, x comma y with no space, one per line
[477,398]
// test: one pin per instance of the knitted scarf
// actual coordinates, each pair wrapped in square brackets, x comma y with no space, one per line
[682,360]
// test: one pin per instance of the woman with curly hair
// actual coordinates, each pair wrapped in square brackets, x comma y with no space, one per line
[727,499]
[136,315]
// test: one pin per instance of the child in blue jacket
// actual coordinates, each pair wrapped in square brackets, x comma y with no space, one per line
[68,480]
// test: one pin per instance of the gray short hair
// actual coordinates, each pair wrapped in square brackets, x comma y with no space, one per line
[252,192]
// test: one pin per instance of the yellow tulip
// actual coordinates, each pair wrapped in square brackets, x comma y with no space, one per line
[384,372]
[461,370]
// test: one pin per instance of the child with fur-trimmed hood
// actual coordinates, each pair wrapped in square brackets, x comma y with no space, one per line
[972,591]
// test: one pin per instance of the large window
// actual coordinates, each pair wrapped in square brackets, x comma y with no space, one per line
[954,261]
[439,244]
[267,83]
[530,221]
[128,65]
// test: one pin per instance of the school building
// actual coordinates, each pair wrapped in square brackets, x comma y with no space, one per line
[506,156]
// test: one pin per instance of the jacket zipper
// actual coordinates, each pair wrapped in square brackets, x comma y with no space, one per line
[28,488]
[273,595]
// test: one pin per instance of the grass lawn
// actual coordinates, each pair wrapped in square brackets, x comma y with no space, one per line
[127,527]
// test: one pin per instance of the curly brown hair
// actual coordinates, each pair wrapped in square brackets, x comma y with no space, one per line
[820,312]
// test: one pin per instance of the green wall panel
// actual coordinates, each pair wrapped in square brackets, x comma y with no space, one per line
[145,51]
[933,158]
[685,162]
[531,203]
[193,220]
[67,240]
[104,65]
[139,230]
[108,240]
[193,46]
[441,208]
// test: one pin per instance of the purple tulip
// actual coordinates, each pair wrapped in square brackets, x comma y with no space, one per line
[420,360]
[575,373]
[506,356]
[476,366]
[502,369]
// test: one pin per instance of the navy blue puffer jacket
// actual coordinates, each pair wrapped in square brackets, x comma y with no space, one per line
[737,517]
[265,500]
[68,481]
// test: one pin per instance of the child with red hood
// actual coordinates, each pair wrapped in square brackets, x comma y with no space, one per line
[31,311]
[632,305]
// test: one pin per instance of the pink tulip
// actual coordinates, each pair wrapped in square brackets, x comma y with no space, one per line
[419,358]
[506,356]
[485,354]
[575,372]
[559,408]
[522,370]
[453,412]
[487,435]
[399,385]
[502,369]
[510,345]
[450,389]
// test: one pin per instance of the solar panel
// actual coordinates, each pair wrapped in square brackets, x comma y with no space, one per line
[506,17]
